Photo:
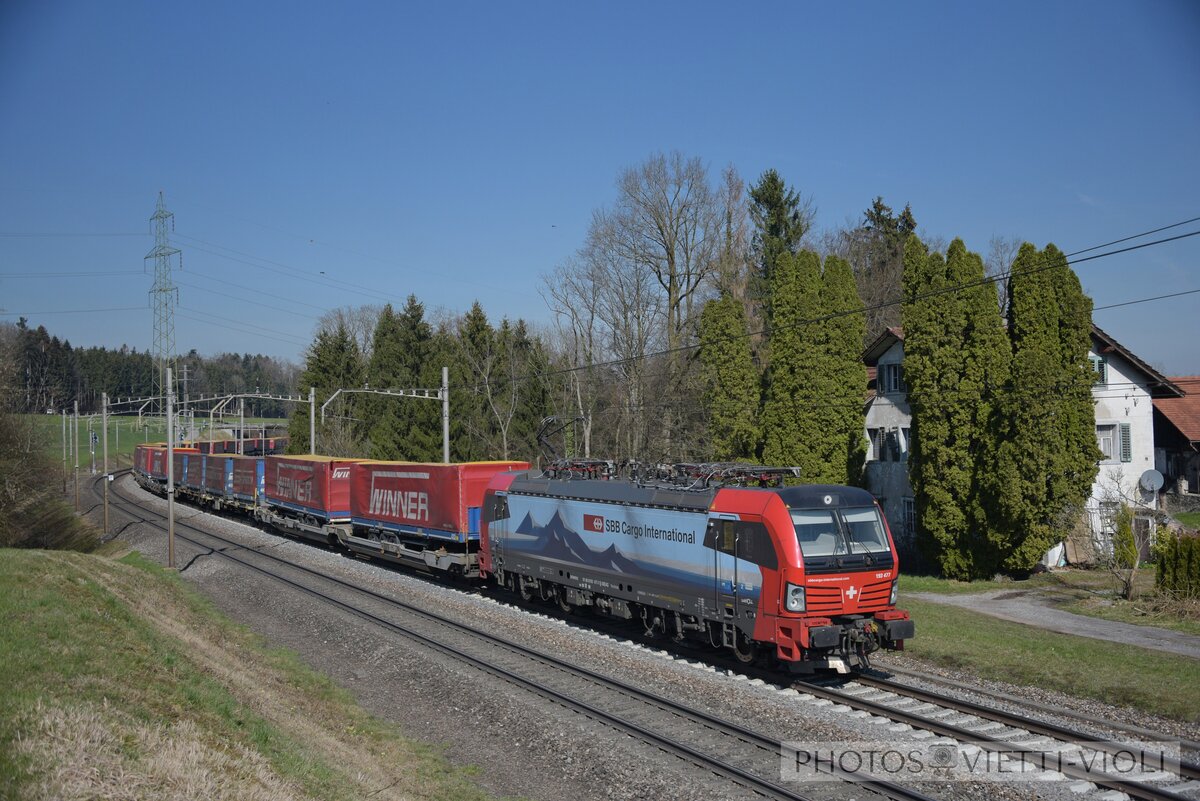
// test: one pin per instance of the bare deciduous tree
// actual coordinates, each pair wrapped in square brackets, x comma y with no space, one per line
[1002,252]
[360,321]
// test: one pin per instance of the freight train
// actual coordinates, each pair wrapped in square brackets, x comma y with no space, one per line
[803,577]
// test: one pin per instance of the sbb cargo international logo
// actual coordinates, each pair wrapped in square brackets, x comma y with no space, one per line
[593,523]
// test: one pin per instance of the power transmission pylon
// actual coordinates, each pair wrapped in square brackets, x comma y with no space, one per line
[163,297]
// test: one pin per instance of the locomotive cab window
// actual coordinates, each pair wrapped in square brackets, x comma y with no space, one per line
[817,532]
[839,532]
[748,541]
[496,510]
[864,530]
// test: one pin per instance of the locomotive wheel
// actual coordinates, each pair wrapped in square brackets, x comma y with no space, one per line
[561,597]
[745,650]
[525,593]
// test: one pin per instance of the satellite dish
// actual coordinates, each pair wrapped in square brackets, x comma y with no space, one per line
[1151,481]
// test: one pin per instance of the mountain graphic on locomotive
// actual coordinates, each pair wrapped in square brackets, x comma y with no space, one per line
[803,577]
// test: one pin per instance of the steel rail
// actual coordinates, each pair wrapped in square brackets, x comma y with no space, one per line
[1139,790]
[1187,770]
[1104,723]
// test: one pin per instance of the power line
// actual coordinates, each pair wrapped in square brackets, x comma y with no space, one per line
[252,300]
[79,274]
[242,330]
[10,234]
[1147,300]
[883,305]
[73,311]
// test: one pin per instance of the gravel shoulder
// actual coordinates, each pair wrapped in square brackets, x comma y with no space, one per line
[1032,608]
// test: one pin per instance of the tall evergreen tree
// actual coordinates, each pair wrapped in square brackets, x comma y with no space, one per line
[474,362]
[781,217]
[731,382]
[792,429]
[841,342]
[333,361]
[1046,460]
[403,428]
[954,357]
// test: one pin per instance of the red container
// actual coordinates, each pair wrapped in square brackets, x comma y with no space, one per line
[318,485]
[246,473]
[443,497]
[215,470]
[182,456]
[194,477]
[157,462]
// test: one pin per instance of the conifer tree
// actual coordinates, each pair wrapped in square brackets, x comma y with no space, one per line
[781,217]
[841,343]
[333,361]
[791,426]
[955,358]
[1048,454]
[731,383]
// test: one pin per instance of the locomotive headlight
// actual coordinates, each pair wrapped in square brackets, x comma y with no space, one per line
[794,598]
[892,597]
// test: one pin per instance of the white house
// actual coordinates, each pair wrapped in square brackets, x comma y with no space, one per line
[1124,389]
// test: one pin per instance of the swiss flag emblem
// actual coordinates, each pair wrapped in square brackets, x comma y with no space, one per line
[594,523]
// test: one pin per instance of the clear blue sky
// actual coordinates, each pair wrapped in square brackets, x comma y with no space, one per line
[456,151]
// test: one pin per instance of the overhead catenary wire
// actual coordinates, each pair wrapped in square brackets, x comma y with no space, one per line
[882,305]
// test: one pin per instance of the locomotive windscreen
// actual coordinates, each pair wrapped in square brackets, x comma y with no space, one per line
[845,533]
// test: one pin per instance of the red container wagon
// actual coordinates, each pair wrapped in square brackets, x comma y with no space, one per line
[424,514]
[248,479]
[182,457]
[156,460]
[218,475]
[309,495]
[193,475]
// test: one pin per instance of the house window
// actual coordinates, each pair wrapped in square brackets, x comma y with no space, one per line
[1100,369]
[1115,442]
[908,514]
[886,444]
[891,379]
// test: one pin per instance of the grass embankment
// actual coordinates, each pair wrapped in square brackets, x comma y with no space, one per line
[1161,683]
[120,682]
[1189,519]
[1083,592]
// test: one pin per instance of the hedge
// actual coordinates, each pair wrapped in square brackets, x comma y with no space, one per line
[1179,567]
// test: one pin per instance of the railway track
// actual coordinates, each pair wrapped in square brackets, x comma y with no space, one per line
[1102,724]
[748,758]
[1003,732]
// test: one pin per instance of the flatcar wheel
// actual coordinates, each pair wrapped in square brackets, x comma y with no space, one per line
[745,650]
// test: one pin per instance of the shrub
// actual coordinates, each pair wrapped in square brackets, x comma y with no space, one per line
[1179,567]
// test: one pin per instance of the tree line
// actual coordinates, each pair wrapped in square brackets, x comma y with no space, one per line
[51,374]
[701,320]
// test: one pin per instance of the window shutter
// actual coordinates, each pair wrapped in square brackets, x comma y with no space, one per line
[1126,445]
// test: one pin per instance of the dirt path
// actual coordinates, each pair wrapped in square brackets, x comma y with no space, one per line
[1032,608]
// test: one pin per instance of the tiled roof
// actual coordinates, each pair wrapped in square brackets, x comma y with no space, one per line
[1159,385]
[1184,412]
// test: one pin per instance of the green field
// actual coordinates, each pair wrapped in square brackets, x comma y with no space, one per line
[120,681]
[124,433]
[1189,519]
[1161,683]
